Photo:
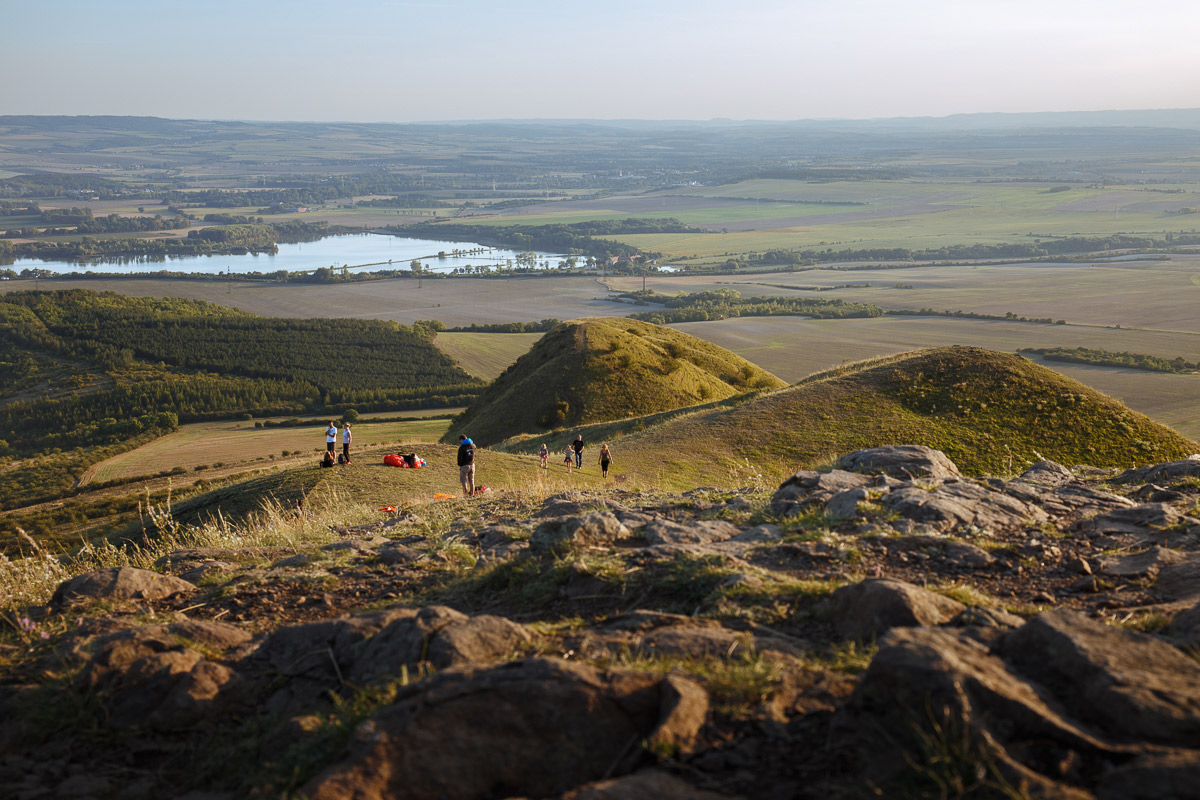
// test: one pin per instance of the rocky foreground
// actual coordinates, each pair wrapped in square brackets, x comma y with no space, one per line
[888,628]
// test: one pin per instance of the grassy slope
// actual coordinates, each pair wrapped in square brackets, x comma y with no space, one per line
[369,482]
[595,370]
[485,355]
[978,406]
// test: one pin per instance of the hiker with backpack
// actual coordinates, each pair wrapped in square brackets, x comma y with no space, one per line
[466,464]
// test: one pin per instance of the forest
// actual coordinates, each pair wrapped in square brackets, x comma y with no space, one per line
[726,303]
[223,239]
[83,372]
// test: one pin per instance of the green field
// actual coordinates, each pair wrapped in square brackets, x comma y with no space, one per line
[758,215]
[485,355]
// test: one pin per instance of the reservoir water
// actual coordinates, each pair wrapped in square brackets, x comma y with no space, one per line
[354,250]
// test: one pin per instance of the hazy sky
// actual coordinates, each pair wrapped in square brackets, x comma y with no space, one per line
[400,61]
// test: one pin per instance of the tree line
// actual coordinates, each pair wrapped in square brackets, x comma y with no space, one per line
[1109,358]
[719,304]
[214,240]
[575,237]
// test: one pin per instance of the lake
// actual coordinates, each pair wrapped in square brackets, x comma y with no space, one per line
[352,250]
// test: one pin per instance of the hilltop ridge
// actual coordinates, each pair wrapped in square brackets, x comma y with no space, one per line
[601,369]
[992,412]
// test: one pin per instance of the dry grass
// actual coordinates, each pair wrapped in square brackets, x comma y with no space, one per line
[32,580]
[238,446]
[793,347]
[454,301]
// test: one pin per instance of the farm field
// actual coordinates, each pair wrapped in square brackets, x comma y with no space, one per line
[454,301]
[757,215]
[1139,292]
[485,355]
[239,445]
[793,347]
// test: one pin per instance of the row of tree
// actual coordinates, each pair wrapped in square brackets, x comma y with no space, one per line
[725,303]
[1109,358]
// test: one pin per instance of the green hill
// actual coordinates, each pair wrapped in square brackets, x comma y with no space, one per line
[992,413]
[85,375]
[595,370]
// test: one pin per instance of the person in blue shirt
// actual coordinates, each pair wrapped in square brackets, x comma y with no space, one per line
[466,465]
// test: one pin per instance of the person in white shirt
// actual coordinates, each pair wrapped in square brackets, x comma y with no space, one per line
[346,442]
[330,437]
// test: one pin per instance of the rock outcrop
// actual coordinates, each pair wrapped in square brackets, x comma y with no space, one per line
[119,583]
[513,731]
[1034,635]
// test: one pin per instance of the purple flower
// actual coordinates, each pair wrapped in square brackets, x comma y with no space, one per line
[44,634]
[27,624]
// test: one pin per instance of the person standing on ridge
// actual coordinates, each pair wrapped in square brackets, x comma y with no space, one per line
[330,438]
[567,453]
[346,437]
[544,457]
[605,460]
[466,465]
[577,445]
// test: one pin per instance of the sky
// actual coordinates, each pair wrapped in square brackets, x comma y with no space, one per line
[402,61]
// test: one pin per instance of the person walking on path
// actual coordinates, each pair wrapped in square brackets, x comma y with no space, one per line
[578,445]
[544,457]
[568,454]
[346,437]
[466,465]
[330,438]
[605,460]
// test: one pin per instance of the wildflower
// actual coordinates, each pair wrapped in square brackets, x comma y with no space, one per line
[44,634]
[27,624]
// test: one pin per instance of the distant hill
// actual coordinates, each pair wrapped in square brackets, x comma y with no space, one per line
[596,370]
[992,413]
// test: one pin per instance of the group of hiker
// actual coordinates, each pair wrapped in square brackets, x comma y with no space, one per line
[572,454]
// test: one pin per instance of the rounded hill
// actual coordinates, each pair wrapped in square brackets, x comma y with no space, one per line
[992,413]
[608,368]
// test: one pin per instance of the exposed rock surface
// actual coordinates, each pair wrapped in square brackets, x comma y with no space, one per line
[119,583]
[873,607]
[322,657]
[513,730]
[592,529]
[1093,698]
[698,532]
[569,648]
[901,461]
